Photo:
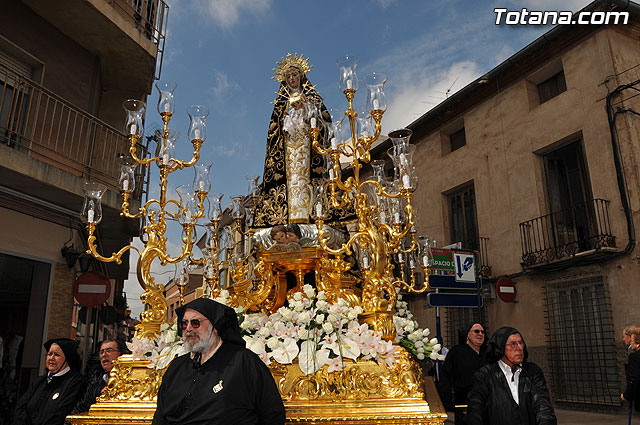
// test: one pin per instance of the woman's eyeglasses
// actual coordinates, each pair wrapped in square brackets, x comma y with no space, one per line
[478,331]
[195,323]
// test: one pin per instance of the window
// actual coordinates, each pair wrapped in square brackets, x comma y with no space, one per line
[462,217]
[568,190]
[582,343]
[552,87]
[457,139]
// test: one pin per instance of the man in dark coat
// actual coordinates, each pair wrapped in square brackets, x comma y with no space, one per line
[51,397]
[109,351]
[219,381]
[460,365]
[509,390]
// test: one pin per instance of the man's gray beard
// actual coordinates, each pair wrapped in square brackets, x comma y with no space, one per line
[202,346]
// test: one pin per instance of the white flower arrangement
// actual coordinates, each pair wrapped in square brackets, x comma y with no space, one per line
[310,330]
[411,337]
[160,351]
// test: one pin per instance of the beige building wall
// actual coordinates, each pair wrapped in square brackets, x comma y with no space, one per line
[506,137]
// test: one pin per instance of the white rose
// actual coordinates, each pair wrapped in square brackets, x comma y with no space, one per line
[297,296]
[433,341]
[419,344]
[433,355]
[420,356]
[437,347]
[308,290]
[426,332]
[327,327]
[319,318]
[273,342]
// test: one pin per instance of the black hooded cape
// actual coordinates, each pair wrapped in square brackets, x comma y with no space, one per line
[233,387]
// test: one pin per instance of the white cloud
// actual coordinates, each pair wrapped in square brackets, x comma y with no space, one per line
[419,93]
[226,13]
[223,85]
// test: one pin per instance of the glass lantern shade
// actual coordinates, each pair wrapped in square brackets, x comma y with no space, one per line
[167,147]
[182,273]
[426,254]
[197,122]
[348,78]
[405,173]
[134,124]
[201,182]
[364,127]
[313,115]
[92,205]
[318,202]
[189,212]
[400,138]
[166,100]
[254,187]
[237,210]
[215,210]
[127,181]
[335,127]
[376,100]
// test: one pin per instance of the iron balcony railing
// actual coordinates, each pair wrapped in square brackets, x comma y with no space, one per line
[52,130]
[567,232]
[150,18]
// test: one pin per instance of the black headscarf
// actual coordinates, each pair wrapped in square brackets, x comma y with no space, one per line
[222,318]
[70,349]
[498,342]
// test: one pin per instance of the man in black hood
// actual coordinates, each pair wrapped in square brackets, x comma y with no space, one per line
[219,381]
[509,390]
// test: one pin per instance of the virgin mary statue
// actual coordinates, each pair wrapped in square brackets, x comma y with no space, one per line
[291,164]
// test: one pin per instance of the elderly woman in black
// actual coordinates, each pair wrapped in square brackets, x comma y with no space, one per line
[461,363]
[51,397]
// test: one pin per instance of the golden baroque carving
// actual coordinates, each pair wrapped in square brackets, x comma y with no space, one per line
[131,380]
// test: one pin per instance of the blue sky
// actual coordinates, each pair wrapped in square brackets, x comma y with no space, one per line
[221,54]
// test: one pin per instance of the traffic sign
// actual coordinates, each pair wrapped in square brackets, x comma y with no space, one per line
[450,282]
[465,267]
[506,289]
[92,289]
[454,300]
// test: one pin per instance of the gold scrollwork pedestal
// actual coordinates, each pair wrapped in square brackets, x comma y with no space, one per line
[363,393]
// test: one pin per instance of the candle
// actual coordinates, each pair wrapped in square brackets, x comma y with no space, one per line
[331,173]
[201,185]
[403,159]
[125,185]
[376,104]
[196,134]
[334,143]
[90,216]
[167,107]
[318,209]
[349,84]
[365,262]
[396,217]
[134,129]
[425,261]
[406,181]
[165,159]
[313,123]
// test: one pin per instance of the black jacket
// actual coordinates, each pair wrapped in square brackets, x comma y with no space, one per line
[632,392]
[491,402]
[94,390]
[456,375]
[49,403]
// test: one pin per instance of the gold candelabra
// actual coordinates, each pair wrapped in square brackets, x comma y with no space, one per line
[190,207]
[386,219]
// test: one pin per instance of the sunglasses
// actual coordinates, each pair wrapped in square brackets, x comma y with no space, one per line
[107,351]
[478,331]
[195,323]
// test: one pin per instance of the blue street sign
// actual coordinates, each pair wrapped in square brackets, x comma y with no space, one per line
[454,300]
[465,267]
[449,282]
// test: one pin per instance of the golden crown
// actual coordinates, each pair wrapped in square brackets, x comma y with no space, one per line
[291,61]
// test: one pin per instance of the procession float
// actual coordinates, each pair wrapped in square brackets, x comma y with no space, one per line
[315,260]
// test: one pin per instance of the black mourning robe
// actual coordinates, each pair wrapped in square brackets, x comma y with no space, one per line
[49,403]
[233,387]
[632,371]
[456,375]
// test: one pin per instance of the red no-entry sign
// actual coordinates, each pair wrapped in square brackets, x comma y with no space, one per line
[506,289]
[92,289]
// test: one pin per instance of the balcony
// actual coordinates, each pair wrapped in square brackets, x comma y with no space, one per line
[52,130]
[559,236]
